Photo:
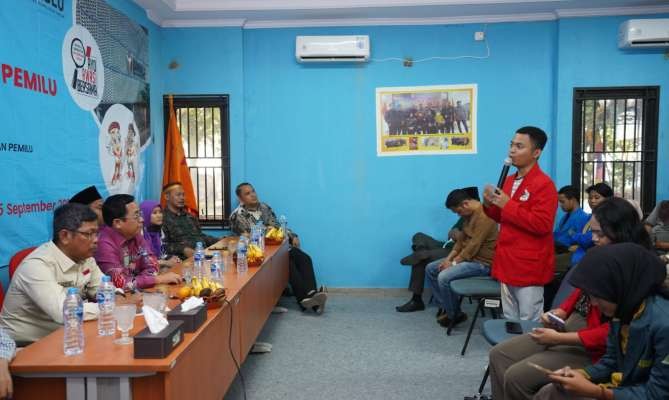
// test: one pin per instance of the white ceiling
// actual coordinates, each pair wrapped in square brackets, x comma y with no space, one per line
[297,13]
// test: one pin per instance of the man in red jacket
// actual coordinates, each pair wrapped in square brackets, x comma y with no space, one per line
[525,209]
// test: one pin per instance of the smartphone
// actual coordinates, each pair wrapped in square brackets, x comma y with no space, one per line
[540,368]
[513,328]
[556,321]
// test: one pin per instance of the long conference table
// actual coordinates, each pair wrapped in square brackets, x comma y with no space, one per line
[201,367]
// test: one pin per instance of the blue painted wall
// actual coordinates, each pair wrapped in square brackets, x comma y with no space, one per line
[210,62]
[308,130]
[588,57]
[311,145]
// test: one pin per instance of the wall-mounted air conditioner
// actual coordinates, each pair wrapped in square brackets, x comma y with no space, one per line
[644,33]
[332,48]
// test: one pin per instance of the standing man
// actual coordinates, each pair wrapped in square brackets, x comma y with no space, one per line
[181,229]
[525,209]
[301,271]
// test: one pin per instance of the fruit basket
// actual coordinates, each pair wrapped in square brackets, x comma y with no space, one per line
[212,292]
[254,256]
[274,236]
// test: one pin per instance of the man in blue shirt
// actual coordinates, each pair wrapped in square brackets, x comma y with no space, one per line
[571,223]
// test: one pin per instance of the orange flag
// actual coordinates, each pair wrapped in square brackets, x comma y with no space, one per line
[175,168]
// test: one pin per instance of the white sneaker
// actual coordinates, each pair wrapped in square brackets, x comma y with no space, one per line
[317,300]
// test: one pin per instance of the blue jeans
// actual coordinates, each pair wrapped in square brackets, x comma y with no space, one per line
[440,282]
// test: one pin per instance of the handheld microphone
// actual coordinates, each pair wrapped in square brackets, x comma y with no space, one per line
[505,172]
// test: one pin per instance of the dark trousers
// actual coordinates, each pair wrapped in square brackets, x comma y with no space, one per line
[301,273]
[426,249]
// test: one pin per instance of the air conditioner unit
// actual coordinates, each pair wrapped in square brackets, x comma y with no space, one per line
[644,33]
[332,48]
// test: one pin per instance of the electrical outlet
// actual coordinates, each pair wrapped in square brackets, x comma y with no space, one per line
[478,36]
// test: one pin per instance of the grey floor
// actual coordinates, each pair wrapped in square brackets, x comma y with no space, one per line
[361,348]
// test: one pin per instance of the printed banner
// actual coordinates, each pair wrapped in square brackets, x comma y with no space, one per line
[423,120]
[74,101]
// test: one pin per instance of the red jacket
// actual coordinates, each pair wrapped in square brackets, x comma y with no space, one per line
[524,255]
[595,334]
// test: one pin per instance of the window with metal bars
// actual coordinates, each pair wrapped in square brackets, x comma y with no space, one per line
[615,141]
[204,125]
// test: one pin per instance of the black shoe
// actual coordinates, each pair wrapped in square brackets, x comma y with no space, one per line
[414,258]
[446,322]
[411,306]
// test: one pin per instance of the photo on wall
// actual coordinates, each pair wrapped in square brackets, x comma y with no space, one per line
[425,120]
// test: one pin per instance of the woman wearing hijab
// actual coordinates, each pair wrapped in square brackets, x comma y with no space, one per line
[624,280]
[153,223]
[583,340]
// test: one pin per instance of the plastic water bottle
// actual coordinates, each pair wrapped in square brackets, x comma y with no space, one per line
[106,303]
[73,323]
[260,227]
[255,233]
[242,265]
[198,259]
[283,222]
[216,268]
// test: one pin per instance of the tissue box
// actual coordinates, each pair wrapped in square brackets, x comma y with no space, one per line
[160,345]
[192,319]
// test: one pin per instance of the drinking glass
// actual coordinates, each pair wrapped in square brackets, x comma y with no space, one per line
[187,272]
[125,316]
[155,300]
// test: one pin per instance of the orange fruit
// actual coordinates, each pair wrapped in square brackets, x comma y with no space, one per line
[184,292]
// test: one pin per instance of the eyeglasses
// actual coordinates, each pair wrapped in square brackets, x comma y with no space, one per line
[88,235]
[136,216]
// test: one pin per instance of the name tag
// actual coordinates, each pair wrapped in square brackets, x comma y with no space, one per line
[647,363]
[66,284]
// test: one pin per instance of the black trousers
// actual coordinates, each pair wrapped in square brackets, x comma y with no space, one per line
[426,249]
[301,273]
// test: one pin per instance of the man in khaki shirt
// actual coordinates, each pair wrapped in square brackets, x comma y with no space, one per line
[33,306]
[471,255]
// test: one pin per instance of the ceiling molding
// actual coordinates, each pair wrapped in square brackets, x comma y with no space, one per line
[610,11]
[263,5]
[299,23]
[153,17]
[202,23]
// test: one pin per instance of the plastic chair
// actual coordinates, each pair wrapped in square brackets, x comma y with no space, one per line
[480,289]
[16,259]
[494,330]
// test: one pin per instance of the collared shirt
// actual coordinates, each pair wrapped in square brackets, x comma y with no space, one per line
[33,307]
[7,346]
[129,262]
[183,230]
[242,219]
[480,236]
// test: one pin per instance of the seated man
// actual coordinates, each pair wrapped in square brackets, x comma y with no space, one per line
[301,274]
[659,234]
[572,223]
[181,229]
[471,255]
[33,307]
[7,351]
[92,198]
[122,253]
[425,249]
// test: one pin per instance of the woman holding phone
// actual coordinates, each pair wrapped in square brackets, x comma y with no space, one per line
[625,282]
[583,339]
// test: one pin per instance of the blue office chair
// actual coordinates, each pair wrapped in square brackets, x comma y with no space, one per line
[480,288]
